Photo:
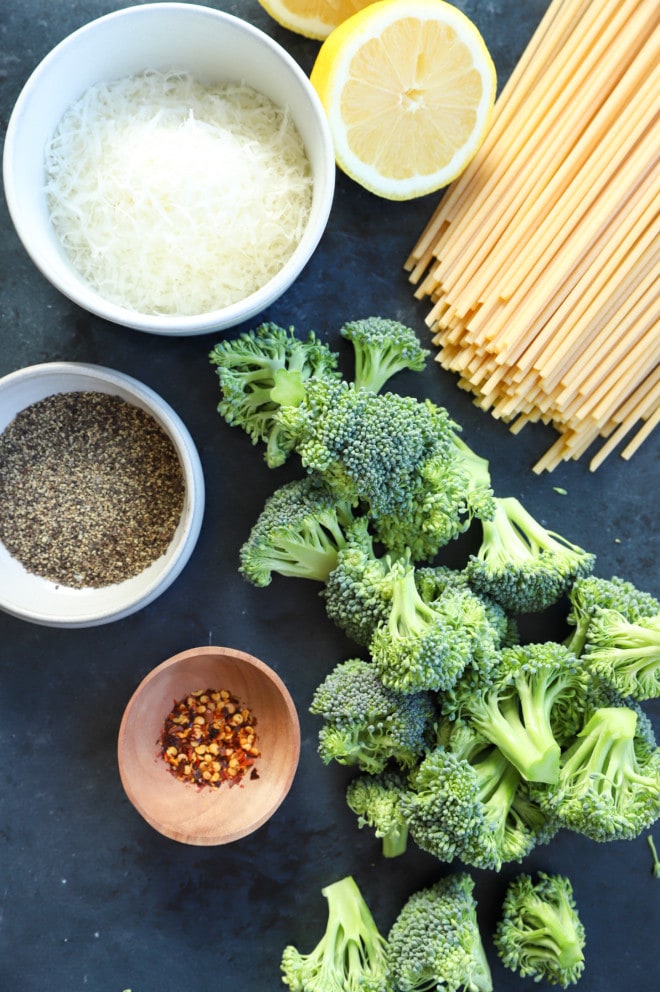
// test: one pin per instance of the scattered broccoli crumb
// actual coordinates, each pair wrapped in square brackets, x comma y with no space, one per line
[654,854]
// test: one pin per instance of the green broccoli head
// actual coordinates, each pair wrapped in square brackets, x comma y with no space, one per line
[540,934]
[352,954]
[521,564]
[452,488]
[262,370]
[367,446]
[625,653]
[375,799]
[298,533]
[528,705]
[494,627]
[382,348]
[421,646]
[435,941]
[592,593]
[355,594]
[437,788]
[488,624]
[608,786]
[368,724]
[467,801]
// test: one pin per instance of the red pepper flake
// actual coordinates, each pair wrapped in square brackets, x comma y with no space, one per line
[209,738]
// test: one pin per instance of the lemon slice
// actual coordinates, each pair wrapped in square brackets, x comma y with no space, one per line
[408,87]
[312,18]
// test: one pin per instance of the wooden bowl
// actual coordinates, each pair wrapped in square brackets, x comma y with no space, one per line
[208,815]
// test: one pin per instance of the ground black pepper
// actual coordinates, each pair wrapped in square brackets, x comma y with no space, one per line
[91,489]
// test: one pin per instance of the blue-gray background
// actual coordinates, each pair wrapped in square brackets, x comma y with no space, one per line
[90,896]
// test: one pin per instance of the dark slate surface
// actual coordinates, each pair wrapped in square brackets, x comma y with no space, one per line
[90,896]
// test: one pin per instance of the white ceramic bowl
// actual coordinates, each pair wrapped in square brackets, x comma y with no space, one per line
[40,601]
[214,47]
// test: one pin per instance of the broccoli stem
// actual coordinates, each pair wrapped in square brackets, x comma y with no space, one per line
[288,388]
[498,783]
[654,854]
[349,921]
[534,533]
[551,927]
[602,748]
[500,541]
[395,842]
[409,613]
[521,730]
[308,562]
[477,467]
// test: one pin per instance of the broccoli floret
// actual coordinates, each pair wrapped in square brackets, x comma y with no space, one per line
[428,804]
[421,646]
[490,625]
[452,489]
[435,943]
[263,369]
[539,934]
[382,348]
[626,654]
[466,800]
[432,580]
[368,724]
[529,704]
[355,595]
[352,954]
[593,593]
[608,786]
[375,799]
[521,564]
[298,533]
[369,447]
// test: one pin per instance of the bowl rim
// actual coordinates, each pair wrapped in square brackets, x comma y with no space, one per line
[83,295]
[265,670]
[191,467]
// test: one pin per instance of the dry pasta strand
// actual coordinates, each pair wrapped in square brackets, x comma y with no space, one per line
[541,262]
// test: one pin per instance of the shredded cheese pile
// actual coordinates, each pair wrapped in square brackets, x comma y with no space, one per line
[171,198]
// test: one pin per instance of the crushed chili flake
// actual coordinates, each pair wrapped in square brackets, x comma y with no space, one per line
[209,738]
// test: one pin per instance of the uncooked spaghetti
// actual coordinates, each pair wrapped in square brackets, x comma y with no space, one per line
[542,260]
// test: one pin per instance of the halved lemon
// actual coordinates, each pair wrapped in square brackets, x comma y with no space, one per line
[408,87]
[312,18]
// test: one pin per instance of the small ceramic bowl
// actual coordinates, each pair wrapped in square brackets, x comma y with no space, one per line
[208,815]
[214,47]
[44,602]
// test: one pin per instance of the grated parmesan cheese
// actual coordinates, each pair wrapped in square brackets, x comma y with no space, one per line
[171,198]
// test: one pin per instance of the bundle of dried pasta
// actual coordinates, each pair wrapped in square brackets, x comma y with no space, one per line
[542,260]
